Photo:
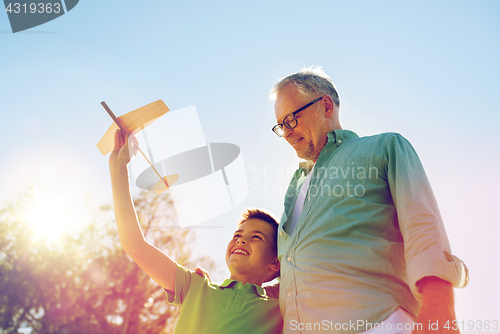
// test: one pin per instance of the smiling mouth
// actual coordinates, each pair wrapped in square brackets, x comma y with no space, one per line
[240,251]
[298,140]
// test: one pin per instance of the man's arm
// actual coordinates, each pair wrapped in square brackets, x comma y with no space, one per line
[437,307]
[432,270]
[152,260]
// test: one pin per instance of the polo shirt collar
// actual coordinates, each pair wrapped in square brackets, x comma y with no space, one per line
[230,282]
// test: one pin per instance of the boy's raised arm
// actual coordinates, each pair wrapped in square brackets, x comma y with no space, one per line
[152,260]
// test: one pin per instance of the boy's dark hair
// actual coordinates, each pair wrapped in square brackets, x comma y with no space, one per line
[262,215]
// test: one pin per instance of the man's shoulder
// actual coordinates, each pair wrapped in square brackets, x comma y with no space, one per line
[381,136]
[381,139]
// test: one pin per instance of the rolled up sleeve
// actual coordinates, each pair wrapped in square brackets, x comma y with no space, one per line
[427,249]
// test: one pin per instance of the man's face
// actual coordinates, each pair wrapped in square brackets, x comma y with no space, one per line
[309,137]
[252,248]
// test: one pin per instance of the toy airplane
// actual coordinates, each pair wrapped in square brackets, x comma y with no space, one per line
[132,123]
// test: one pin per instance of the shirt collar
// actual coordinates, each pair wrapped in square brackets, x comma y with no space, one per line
[307,165]
[340,135]
[230,282]
[336,136]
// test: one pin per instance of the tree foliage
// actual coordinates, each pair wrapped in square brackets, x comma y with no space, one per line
[88,284]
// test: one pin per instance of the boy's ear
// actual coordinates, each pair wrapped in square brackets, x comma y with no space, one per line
[275,270]
[275,265]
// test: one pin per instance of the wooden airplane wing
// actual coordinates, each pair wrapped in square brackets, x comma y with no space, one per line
[133,122]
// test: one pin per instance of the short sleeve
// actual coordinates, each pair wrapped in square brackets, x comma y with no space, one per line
[183,278]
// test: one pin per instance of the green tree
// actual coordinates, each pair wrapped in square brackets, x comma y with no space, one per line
[89,285]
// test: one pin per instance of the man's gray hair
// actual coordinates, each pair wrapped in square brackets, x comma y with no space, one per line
[310,81]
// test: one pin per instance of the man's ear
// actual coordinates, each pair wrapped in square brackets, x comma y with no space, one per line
[329,106]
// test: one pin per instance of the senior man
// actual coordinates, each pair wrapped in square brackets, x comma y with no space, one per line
[361,241]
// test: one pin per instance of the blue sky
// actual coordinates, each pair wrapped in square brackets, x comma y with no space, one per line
[428,70]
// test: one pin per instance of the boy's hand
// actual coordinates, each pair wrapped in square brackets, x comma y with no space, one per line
[124,150]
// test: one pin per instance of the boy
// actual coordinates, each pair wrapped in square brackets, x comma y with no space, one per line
[239,305]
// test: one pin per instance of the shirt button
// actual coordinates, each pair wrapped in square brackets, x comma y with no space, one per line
[281,233]
[289,294]
[289,258]
[239,287]
[340,141]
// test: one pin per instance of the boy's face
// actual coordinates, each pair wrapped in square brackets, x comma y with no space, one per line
[252,249]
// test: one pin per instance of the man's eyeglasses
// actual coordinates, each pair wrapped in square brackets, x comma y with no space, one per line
[290,121]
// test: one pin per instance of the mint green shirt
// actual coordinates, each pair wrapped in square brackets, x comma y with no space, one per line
[231,307]
[370,228]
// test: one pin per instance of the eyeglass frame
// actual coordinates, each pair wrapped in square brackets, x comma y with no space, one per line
[280,125]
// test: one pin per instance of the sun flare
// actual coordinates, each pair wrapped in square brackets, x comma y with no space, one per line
[48,218]
[62,190]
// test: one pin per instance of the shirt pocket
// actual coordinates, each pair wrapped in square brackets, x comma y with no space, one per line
[343,180]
